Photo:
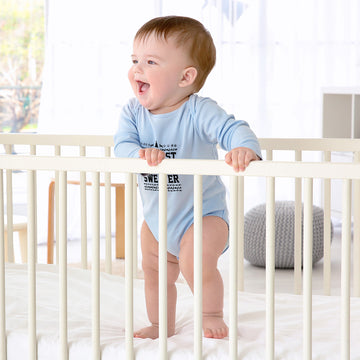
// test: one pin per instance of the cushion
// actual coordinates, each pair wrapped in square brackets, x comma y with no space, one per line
[255,234]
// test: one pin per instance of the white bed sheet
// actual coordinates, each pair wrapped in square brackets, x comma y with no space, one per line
[251,320]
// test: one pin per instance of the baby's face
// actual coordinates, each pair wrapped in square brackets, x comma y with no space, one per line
[157,73]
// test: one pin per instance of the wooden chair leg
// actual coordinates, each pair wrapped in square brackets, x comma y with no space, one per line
[50,236]
[23,244]
[120,221]
[5,246]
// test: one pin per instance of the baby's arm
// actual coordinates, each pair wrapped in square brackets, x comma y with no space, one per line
[240,157]
[153,156]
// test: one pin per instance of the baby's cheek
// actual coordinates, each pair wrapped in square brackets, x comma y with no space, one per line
[131,75]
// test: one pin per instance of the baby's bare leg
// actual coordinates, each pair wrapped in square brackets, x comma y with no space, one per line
[149,248]
[215,235]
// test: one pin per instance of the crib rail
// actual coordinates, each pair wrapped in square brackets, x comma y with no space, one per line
[301,144]
[286,169]
[303,173]
[56,139]
[305,144]
[267,169]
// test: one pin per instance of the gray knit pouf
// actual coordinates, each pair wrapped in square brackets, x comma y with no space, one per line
[255,234]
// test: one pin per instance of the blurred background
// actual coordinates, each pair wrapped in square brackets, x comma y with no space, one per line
[63,64]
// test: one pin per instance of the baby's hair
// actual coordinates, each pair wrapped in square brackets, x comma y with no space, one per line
[189,33]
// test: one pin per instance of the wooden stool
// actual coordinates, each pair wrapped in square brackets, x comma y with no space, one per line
[20,226]
[119,219]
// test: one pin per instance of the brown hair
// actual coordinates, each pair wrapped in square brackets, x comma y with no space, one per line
[190,33]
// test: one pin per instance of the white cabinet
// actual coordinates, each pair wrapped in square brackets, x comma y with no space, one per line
[341,119]
[341,112]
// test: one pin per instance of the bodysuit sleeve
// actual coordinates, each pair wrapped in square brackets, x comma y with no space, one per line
[126,139]
[216,126]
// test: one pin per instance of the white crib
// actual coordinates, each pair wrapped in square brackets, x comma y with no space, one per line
[269,325]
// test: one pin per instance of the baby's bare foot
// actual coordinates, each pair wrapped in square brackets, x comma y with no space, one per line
[214,326]
[150,332]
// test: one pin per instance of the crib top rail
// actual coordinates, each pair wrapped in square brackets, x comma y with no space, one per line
[321,170]
[328,144]
[299,144]
[56,140]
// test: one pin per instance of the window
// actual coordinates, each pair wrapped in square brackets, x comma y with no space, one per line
[22,34]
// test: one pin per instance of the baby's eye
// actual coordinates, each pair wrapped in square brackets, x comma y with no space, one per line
[151,62]
[134,61]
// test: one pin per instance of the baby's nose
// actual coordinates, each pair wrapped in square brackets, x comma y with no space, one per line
[138,68]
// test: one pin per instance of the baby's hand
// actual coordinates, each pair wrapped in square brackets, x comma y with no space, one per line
[239,158]
[153,156]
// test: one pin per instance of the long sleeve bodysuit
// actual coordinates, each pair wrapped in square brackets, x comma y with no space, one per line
[190,132]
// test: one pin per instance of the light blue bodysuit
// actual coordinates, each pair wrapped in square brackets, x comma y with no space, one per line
[190,132]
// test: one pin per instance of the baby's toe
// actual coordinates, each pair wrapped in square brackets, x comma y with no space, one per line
[208,333]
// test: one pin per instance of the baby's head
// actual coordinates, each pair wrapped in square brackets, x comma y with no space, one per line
[188,34]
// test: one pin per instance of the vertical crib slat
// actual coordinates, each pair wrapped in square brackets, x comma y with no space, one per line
[9,210]
[3,349]
[134,222]
[163,266]
[307,291]
[233,280]
[95,316]
[63,264]
[327,230]
[108,255]
[356,237]
[345,270]
[297,231]
[240,235]
[270,267]
[31,209]
[129,307]
[83,213]
[33,152]
[198,267]
[57,152]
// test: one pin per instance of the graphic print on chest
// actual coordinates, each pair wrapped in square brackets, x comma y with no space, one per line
[151,181]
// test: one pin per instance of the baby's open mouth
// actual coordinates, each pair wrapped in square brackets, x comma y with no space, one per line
[142,86]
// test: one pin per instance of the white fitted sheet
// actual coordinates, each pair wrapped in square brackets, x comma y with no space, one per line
[251,320]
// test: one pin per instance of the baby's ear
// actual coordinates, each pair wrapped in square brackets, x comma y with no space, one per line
[189,76]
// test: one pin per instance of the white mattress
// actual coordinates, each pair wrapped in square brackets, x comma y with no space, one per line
[251,320]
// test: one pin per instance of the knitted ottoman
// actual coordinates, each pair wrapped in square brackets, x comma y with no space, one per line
[255,234]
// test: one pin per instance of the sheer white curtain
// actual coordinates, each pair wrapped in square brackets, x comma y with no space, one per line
[274,57]
[87,58]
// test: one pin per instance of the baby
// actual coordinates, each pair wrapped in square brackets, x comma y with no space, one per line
[172,57]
